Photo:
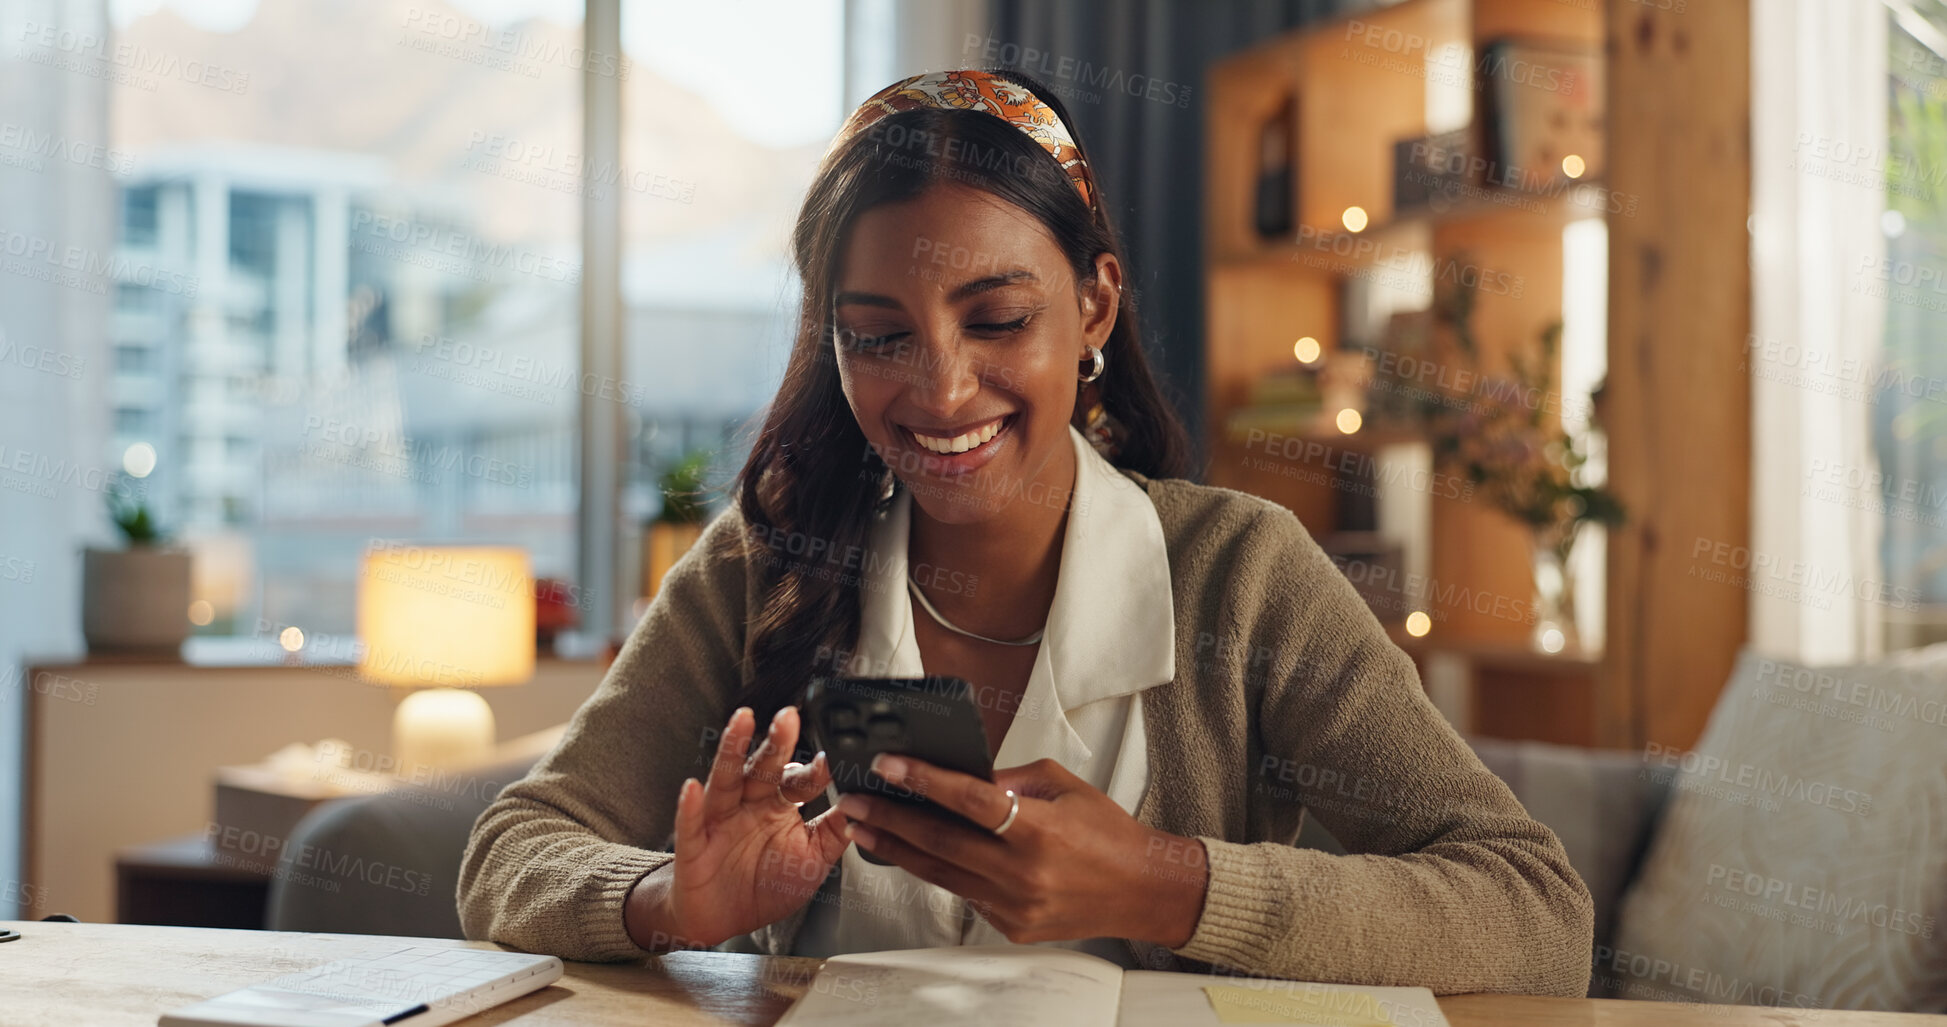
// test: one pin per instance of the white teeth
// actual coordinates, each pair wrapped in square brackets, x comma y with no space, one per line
[960,444]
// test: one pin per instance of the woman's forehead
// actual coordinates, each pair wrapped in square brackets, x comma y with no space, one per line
[951,230]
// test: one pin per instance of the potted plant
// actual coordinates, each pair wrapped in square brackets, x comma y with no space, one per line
[135,600]
[680,524]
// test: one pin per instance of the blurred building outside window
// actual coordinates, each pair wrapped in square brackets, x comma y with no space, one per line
[357,317]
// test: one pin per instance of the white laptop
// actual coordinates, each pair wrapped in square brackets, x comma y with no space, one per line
[413,986]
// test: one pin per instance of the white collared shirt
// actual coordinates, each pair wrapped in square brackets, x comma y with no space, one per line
[1111,633]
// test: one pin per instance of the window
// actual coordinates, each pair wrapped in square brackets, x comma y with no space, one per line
[378,192]
[133,422]
[710,200]
[131,359]
[134,298]
[139,216]
[356,312]
[254,233]
[1910,410]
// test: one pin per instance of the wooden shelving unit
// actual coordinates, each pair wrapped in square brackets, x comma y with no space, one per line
[1358,86]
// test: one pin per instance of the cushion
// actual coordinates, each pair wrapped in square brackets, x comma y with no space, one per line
[387,863]
[1802,860]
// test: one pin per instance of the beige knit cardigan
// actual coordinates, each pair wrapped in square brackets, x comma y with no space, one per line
[1288,697]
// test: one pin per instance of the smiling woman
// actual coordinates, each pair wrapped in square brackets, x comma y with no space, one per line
[922,178]
[1171,676]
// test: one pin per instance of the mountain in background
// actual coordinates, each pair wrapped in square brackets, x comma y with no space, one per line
[372,77]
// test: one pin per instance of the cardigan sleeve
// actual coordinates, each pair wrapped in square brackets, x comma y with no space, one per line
[551,860]
[1447,884]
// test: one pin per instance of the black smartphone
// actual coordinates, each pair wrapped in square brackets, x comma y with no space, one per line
[932,718]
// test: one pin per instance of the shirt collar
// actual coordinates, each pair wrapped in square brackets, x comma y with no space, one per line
[1112,626]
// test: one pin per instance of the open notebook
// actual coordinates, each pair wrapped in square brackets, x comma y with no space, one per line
[1032,984]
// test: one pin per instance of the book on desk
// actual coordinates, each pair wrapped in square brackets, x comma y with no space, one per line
[1028,984]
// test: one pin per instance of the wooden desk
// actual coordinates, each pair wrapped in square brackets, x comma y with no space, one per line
[112,974]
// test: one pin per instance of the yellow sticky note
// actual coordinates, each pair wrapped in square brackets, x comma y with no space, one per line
[1324,1007]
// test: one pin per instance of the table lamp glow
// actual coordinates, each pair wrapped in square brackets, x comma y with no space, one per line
[444,620]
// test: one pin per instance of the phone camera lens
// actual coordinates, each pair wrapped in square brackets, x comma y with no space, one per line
[884,729]
[842,716]
[849,739]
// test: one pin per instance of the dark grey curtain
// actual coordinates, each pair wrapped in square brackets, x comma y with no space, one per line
[1147,149]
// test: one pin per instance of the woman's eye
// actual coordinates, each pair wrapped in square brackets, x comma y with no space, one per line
[868,343]
[1001,327]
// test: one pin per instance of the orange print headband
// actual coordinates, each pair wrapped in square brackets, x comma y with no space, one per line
[981,91]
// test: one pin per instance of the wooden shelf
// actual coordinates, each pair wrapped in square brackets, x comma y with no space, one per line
[1370,438]
[1359,85]
[1407,243]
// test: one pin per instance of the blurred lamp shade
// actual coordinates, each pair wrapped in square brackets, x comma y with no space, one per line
[445,619]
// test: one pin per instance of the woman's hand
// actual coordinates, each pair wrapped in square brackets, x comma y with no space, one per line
[744,855]
[1072,865]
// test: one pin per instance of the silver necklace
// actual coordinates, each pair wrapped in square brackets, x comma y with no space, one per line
[913,587]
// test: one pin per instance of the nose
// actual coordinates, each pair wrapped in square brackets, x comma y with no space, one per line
[948,376]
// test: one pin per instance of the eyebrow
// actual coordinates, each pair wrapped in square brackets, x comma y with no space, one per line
[960,292]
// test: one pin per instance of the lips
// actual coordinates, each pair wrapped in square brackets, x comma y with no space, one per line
[977,444]
[958,441]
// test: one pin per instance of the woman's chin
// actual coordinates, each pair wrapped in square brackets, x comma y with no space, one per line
[953,503]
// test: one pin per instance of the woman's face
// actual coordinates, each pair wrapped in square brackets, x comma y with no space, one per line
[961,334]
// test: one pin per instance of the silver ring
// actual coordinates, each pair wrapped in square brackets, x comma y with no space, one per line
[1013,810]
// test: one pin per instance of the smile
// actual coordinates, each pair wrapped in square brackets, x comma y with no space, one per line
[947,446]
[965,451]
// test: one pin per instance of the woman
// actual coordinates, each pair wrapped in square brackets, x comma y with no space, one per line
[969,470]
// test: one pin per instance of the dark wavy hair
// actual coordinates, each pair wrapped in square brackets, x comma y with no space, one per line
[810,488]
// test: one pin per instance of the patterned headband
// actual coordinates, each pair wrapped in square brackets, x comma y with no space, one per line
[981,91]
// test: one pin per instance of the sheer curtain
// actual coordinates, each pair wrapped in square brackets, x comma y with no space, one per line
[56,215]
[1818,104]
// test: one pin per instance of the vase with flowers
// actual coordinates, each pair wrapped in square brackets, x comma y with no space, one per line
[1503,433]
